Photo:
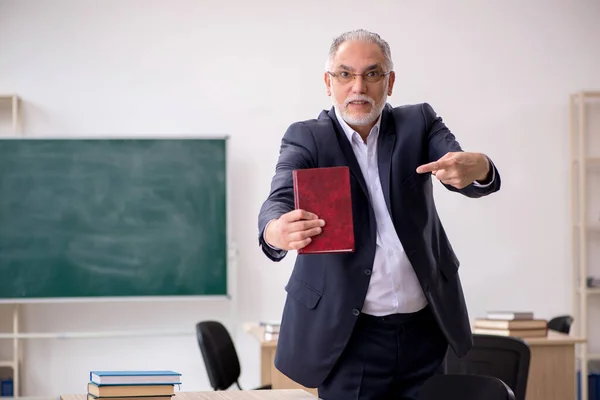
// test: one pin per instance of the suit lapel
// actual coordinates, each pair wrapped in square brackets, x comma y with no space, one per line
[348,152]
[385,148]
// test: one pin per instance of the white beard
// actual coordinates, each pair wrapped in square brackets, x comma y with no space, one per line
[360,119]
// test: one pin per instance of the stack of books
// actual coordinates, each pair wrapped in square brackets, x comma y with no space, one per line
[132,385]
[271,330]
[511,323]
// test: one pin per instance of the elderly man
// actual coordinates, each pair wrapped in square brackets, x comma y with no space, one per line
[375,323]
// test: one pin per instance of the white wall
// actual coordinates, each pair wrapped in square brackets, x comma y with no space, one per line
[498,72]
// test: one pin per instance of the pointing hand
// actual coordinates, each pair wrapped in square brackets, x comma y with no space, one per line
[458,169]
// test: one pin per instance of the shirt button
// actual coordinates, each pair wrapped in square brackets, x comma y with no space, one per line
[355,312]
[367,272]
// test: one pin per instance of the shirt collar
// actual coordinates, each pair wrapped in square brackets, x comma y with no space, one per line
[351,133]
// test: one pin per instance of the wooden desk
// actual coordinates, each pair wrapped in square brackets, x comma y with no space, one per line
[292,394]
[552,374]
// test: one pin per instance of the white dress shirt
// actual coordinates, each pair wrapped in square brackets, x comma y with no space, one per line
[394,287]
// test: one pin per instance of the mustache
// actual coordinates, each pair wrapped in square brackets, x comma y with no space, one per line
[360,97]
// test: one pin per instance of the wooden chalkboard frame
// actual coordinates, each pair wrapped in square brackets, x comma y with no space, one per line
[231,258]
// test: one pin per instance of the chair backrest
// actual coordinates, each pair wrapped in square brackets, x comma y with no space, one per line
[502,357]
[219,354]
[465,387]
[561,324]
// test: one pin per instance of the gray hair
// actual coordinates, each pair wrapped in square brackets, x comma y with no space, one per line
[366,36]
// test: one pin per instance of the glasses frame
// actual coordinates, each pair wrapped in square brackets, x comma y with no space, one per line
[380,76]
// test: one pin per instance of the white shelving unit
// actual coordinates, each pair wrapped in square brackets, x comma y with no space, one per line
[12,101]
[15,363]
[585,170]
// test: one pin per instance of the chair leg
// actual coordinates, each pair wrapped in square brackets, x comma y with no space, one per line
[238,385]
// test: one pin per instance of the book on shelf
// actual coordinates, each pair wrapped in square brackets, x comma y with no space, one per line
[6,387]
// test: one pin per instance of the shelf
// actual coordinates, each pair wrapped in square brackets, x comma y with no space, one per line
[590,291]
[7,364]
[591,227]
[585,166]
[588,94]
[591,163]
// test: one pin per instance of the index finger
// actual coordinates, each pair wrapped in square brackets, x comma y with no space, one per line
[432,166]
[299,214]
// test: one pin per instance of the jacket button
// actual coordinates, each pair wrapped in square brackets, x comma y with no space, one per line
[355,312]
[367,272]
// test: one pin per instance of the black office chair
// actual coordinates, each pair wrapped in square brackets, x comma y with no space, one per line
[502,357]
[219,354]
[561,324]
[465,387]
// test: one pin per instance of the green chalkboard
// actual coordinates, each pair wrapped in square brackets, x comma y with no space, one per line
[112,217]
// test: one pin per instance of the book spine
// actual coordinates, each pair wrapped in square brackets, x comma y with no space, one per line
[296,199]
[295,182]
[350,216]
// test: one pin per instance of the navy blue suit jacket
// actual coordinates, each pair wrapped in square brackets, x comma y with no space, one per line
[325,292]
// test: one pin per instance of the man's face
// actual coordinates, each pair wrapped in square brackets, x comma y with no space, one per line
[359,100]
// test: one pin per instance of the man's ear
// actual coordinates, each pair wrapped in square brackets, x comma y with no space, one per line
[327,80]
[391,83]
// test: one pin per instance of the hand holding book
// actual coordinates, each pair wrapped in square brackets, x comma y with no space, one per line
[293,230]
[320,195]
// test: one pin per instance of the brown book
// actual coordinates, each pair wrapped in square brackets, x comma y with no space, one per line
[510,324]
[130,390]
[522,333]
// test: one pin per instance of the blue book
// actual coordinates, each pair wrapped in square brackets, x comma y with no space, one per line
[6,388]
[135,377]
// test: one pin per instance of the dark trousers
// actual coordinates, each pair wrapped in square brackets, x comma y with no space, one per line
[387,358]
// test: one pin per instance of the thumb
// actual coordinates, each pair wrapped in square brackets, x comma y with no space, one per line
[297,215]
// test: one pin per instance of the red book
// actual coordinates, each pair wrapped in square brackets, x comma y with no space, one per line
[326,193]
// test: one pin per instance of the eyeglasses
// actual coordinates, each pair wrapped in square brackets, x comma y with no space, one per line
[345,77]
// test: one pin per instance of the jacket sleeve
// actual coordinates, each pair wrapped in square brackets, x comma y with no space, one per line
[442,141]
[297,151]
